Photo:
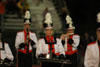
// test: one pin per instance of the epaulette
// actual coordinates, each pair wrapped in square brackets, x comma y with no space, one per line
[92,43]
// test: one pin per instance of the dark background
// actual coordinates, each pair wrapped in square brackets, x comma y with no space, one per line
[84,14]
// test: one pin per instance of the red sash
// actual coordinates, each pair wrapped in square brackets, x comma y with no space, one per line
[25,49]
[51,40]
[69,48]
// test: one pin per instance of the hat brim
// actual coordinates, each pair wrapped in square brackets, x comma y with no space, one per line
[49,28]
[71,28]
[27,23]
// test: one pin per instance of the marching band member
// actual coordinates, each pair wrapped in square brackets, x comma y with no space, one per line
[25,41]
[6,55]
[70,42]
[49,45]
[92,55]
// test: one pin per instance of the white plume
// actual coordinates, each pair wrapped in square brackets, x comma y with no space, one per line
[68,19]
[27,15]
[48,18]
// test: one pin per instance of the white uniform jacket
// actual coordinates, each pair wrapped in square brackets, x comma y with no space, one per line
[92,55]
[5,52]
[71,49]
[43,47]
[20,38]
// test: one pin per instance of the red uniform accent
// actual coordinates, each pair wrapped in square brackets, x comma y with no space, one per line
[69,48]
[2,7]
[92,43]
[71,52]
[51,39]
[25,49]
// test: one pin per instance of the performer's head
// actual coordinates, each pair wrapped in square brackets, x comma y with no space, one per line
[70,31]
[69,25]
[27,20]
[48,31]
[48,25]
[27,24]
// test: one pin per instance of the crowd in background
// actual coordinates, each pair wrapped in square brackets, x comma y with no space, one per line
[13,7]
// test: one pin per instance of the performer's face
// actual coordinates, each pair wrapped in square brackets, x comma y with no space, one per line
[98,33]
[49,32]
[26,26]
[70,31]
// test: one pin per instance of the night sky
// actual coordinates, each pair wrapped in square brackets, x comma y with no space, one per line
[83,13]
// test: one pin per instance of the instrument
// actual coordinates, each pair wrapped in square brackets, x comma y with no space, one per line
[48,56]
[11,64]
[27,38]
[50,51]
[71,33]
[58,61]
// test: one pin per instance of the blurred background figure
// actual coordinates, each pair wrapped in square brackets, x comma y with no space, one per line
[2,6]
[23,6]
[6,55]
[85,39]
[2,10]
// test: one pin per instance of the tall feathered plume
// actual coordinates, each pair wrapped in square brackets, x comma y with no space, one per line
[69,20]
[48,24]
[48,19]
[27,17]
